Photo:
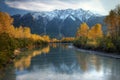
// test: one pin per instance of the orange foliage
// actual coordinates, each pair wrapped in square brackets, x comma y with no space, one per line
[95,32]
[82,30]
[6,25]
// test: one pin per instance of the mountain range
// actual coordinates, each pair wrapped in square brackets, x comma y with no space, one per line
[57,23]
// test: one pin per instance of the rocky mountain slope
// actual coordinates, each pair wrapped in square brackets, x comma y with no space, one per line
[57,23]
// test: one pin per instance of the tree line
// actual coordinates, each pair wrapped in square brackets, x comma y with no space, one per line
[94,38]
[12,38]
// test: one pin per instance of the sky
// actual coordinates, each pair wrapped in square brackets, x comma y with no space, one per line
[97,6]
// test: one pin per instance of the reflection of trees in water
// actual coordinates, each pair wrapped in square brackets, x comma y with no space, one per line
[82,60]
[59,60]
[112,67]
[95,61]
[8,73]
[25,61]
[63,45]
[6,67]
[89,61]
[54,45]
[109,66]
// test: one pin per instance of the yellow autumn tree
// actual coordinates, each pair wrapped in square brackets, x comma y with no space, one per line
[27,32]
[81,34]
[95,32]
[11,31]
[36,37]
[82,30]
[19,32]
[6,23]
[113,22]
[46,38]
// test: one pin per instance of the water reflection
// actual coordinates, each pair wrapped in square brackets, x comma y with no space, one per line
[87,61]
[57,45]
[59,58]
[8,73]
[104,67]
[64,62]
[25,61]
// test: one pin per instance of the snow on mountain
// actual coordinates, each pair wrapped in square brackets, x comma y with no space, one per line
[72,18]
[81,14]
[57,23]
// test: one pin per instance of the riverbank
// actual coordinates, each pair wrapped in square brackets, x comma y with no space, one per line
[100,53]
[10,48]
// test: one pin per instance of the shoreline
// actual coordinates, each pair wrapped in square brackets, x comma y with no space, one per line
[104,54]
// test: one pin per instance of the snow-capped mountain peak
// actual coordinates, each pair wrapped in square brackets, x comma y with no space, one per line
[57,23]
[63,14]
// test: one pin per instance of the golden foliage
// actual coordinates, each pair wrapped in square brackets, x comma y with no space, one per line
[89,36]
[67,39]
[46,38]
[36,37]
[113,22]
[27,32]
[82,30]
[95,32]
[6,26]
[25,61]
[5,23]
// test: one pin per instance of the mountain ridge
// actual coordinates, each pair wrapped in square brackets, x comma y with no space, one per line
[62,23]
[64,13]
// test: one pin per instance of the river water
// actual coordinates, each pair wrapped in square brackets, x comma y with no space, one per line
[63,62]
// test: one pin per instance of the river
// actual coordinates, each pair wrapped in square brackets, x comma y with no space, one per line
[62,62]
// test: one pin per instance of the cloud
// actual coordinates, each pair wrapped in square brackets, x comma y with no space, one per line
[110,3]
[98,6]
